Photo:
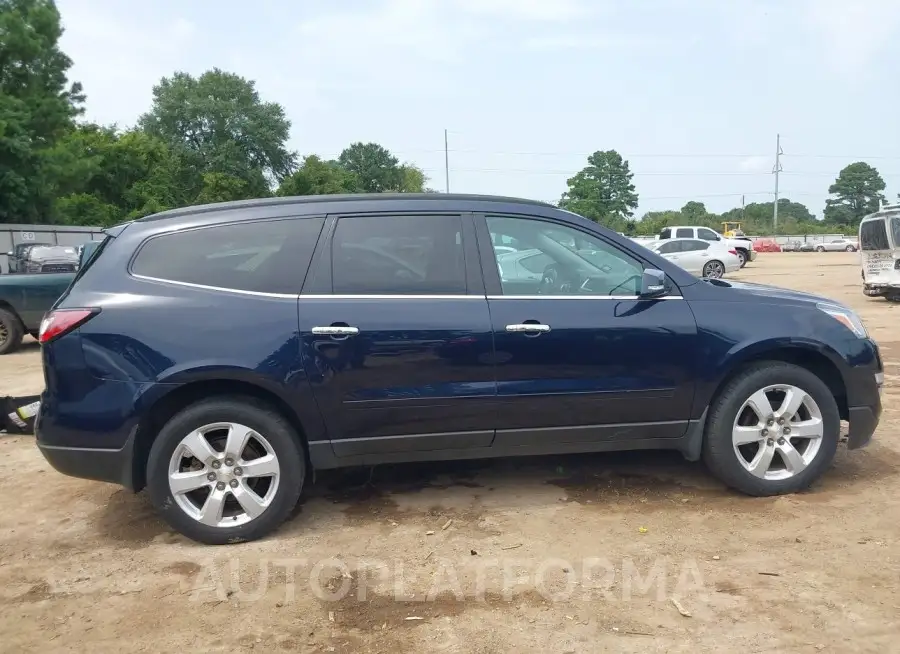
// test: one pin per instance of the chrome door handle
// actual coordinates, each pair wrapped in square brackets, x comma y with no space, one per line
[335,330]
[527,327]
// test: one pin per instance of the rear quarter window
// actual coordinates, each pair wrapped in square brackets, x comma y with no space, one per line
[261,256]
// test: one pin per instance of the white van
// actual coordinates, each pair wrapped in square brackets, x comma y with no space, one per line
[879,246]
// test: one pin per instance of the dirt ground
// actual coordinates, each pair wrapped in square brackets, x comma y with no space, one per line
[638,552]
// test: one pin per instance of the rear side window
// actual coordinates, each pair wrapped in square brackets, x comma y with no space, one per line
[398,255]
[691,246]
[262,256]
[684,232]
[669,248]
[873,236]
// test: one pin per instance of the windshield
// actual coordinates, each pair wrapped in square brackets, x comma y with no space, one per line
[48,251]
[873,234]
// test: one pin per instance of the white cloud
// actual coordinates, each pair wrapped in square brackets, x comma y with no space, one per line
[590,42]
[530,10]
[755,164]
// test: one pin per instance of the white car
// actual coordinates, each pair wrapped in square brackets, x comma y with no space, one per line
[743,246]
[838,245]
[702,258]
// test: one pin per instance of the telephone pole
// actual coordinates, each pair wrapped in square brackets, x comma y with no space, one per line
[446,163]
[776,170]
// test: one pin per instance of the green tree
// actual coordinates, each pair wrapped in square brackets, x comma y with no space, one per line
[37,105]
[318,177]
[694,212]
[375,167]
[219,120]
[412,179]
[103,177]
[858,191]
[603,190]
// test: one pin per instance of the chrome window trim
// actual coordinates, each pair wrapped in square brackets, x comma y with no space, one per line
[299,296]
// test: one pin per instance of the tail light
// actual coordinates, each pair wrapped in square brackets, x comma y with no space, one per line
[62,321]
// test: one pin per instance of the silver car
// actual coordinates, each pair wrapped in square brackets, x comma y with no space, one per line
[838,245]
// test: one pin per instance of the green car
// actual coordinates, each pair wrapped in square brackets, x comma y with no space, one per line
[25,298]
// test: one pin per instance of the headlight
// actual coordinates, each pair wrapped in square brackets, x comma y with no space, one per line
[845,316]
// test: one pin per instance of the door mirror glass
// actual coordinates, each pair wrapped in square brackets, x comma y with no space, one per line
[653,283]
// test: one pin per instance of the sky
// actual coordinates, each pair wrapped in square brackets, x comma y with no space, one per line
[691,92]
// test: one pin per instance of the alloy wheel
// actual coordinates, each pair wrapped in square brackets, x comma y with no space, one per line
[778,432]
[224,474]
[714,269]
[4,333]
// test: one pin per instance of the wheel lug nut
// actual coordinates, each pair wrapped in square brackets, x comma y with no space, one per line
[787,430]
[229,462]
[770,442]
[770,422]
[238,471]
[216,465]
[781,421]
[234,483]
[220,485]
[765,432]
[211,476]
[781,441]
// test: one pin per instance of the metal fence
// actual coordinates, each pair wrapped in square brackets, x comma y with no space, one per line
[12,235]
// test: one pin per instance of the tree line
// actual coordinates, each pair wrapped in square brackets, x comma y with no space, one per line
[212,138]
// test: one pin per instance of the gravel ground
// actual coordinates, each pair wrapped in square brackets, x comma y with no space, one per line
[634,552]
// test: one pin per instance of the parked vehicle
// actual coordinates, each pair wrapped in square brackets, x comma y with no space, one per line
[221,385]
[47,259]
[766,245]
[743,246]
[711,259]
[837,245]
[24,299]
[807,247]
[15,258]
[791,246]
[879,241]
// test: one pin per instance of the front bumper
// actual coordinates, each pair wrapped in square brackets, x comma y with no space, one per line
[864,419]
[751,255]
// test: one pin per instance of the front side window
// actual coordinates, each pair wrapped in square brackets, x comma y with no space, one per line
[398,255]
[707,235]
[564,261]
[261,256]
[666,233]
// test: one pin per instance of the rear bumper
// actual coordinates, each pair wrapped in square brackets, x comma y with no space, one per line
[113,466]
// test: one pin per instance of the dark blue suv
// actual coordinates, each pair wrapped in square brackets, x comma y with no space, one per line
[219,354]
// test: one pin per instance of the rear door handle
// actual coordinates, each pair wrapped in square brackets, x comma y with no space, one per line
[336,330]
[527,327]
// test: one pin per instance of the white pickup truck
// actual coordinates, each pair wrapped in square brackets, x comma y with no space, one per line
[743,246]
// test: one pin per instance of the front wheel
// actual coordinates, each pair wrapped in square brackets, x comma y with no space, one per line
[713,269]
[773,429]
[226,470]
[820,249]
[850,248]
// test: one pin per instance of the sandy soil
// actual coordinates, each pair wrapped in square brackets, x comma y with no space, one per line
[566,554]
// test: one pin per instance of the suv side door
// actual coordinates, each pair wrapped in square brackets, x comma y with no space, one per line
[581,359]
[396,336]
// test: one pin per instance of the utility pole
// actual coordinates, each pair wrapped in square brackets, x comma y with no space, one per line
[743,203]
[446,163]
[777,170]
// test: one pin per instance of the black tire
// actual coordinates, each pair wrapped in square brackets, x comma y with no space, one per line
[820,249]
[11,331]
[742,255]
[850,248]
[253,413]
[718,452]
[708,265]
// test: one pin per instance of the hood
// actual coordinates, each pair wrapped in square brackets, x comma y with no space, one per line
[774,292]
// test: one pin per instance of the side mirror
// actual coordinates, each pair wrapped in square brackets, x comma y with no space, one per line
[653,283]
[10,254]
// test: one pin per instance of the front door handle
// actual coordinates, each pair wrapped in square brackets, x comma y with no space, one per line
[336,330]
[524,328]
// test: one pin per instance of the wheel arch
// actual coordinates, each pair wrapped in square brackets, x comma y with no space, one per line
[161,409]
[9,307]
[814,357]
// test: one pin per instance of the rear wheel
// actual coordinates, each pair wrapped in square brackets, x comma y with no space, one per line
[713,269]
[742,255]
[10,331]
[226,470]
[773,429]
[850,248]
[820,249]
